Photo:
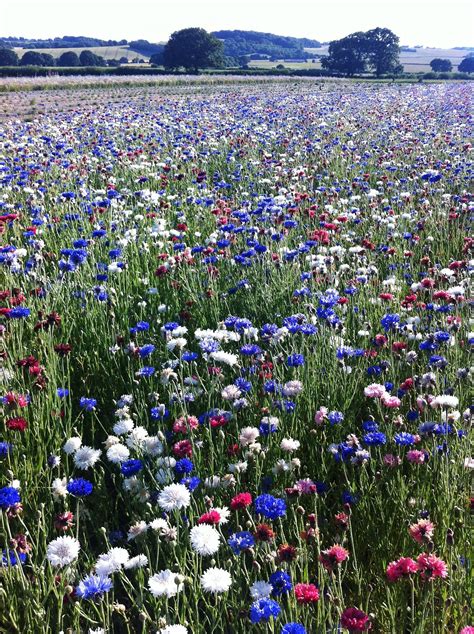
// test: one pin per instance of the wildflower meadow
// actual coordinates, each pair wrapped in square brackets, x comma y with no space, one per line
[235,382]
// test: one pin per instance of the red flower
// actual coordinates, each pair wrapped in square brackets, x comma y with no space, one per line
[212,517]
[241,501]
[431,567]
[287,553]
[333,556]
[355,620]
[264,533]
[17,424]
[183,449]
[306,593]
[63,521]
[402,568]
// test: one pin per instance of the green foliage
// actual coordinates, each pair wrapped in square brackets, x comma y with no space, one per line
[248,43]
[467,65]
[33,58]
[441,65]
[375,51]
[67,41]
[88,58]
[69,58]
[8,57]
[193,48]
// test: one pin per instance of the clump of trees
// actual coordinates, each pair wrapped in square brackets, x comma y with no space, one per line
[192,49]
[374,51]
[439,65]
[467,64]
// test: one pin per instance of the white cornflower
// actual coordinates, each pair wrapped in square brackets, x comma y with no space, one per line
[445,400]
[248,436]
[136,530]
[72,444]
[140,561]
[230,393]
[118,453]
[225,357]
[174,496]
[123,426]
[205,540]
[216,580]
[136,438]
[260,590]
[63,551]
[165,583]
[173,629]
[289,444]
[292,388]
[86,457]
[153,446]
[111,561]
[159,525]
[58,488]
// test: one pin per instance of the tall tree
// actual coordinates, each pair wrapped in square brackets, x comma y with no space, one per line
[68,58]
[193,49]
[467,65]
[8,57]
[376,50]
[88,58]
[439,65]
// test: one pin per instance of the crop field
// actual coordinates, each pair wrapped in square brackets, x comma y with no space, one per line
[235,359]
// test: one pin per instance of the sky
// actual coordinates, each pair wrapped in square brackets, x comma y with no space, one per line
[435,23]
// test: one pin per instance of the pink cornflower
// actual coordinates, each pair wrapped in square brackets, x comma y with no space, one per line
[320,415]
[391,401]
[431,566]
[333,556]
[375,390]
[415,456]
[390,460]
[183,424]
[306,487]
[306,593]
[355,620]
[422,531]
[402,568]
[240,501]
[469,629]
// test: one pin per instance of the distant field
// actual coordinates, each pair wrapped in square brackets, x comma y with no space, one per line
[417,62]
[107,52]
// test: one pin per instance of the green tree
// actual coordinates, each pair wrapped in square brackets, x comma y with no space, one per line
[376,50]
[439,65]
[381,51]
[48,59]
[346,56]
[467,65]
[157,59]
[68,58]
[8,57]
[193,49]
[32,58]
[88,58]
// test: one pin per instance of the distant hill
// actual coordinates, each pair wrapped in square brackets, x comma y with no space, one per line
[143,47]
[254,45]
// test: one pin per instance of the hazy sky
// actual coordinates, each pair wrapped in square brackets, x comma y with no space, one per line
[444,23]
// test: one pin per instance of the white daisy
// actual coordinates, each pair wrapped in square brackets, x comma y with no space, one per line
[260,590]
[165,583]
[86,457]
[205,540]
[216,580]
[174,496]
[72,444]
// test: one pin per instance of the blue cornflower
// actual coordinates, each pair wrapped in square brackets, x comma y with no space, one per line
[209,345]
[190,356]
[349,498]
[9,496]
[267,427]
[390,321]
[147,370]
[183,466]
[146,350]
[250,349]
[12,558]
[264,610]
[80,487]
[295,360]
[281,582]
[142,326]
[404,438]
[93,587]
[375,438]
[370,425]
[243,385]
[241,541]
[191,483]
[131,467]
[87,403]
[170,326]
[19,312]
[5,449]
[293,628]
[335,417]
[269,506]
[62,392]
